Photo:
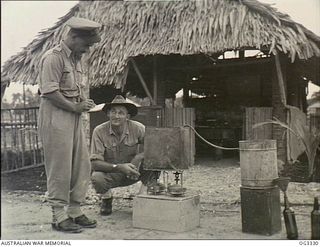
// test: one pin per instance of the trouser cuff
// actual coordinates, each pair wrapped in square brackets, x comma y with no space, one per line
[106,195]
[58,214]
[74,211]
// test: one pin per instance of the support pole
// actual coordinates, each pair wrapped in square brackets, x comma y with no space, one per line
[24,95]
[280,80]
[143,83]
[283,100]
[155,79]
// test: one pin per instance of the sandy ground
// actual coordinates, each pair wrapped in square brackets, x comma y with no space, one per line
[25,214]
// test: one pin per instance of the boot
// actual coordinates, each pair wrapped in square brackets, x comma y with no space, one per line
[106,206]
[67,226]
[84,221]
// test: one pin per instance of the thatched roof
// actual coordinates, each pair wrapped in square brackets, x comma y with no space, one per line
[133,28]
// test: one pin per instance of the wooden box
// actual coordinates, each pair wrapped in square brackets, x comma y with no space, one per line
[166,213]
[167,148]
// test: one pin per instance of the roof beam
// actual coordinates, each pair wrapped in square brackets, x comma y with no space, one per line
[224,63]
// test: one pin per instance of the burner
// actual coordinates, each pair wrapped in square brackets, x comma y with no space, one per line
[176,190]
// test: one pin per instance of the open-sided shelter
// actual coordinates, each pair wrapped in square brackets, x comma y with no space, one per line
[237,62]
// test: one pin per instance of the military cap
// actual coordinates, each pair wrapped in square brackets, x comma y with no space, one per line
[85,28]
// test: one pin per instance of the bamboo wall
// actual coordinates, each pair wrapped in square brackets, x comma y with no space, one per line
[20,144]
[255,115]
[314,120]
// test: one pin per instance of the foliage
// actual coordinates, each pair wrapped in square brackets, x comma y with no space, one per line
[30,99]
[309,138]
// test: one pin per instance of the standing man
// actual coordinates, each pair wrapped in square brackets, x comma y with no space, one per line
[117,152]
[66,154]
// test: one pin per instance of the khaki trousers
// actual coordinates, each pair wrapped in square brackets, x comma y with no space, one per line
[66,155]
[103,182]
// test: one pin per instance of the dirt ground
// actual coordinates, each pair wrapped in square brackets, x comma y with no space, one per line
[25,214]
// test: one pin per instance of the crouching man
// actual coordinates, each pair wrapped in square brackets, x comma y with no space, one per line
[117,152]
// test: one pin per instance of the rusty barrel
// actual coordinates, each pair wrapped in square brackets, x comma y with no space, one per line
[258,163]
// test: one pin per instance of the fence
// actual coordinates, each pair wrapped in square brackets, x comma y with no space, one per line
[20,144]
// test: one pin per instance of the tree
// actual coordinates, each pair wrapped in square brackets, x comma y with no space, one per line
[309,138]
[30,99]
[5,104]
[17,100]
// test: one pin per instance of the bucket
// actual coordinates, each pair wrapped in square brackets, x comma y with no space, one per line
[258,163]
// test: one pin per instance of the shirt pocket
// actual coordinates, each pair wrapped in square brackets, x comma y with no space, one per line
[67,80]
[131,149]
[109,152]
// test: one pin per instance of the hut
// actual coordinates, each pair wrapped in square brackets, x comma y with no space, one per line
[245,61]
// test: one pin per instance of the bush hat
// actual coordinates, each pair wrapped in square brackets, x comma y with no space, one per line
[121,101]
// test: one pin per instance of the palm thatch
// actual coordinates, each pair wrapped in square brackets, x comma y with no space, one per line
[133,28]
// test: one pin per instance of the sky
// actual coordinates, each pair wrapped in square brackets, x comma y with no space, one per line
[22,20]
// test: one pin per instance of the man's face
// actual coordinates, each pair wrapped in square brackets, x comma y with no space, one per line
[118,115]
[81,46]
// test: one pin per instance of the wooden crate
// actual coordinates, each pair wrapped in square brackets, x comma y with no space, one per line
[166,213]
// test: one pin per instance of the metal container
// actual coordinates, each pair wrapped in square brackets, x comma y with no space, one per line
[167,148]
[260,210]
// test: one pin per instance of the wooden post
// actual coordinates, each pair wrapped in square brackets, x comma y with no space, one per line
[280,80]
[280,111]
[155,79]
[185,94]
[143,83]
[124,81]
[241,54]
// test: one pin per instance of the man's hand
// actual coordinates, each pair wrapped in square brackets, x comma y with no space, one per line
[62,102]
[84,105]
[137,160]
[129,170]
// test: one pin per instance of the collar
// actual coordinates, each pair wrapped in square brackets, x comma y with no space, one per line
[125,130]
[65,48]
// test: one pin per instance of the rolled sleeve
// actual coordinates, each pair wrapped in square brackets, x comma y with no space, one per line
[52,69]
[141,134]
[97,147]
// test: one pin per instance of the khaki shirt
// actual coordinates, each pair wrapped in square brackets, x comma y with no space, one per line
[106,146]
[58,72]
